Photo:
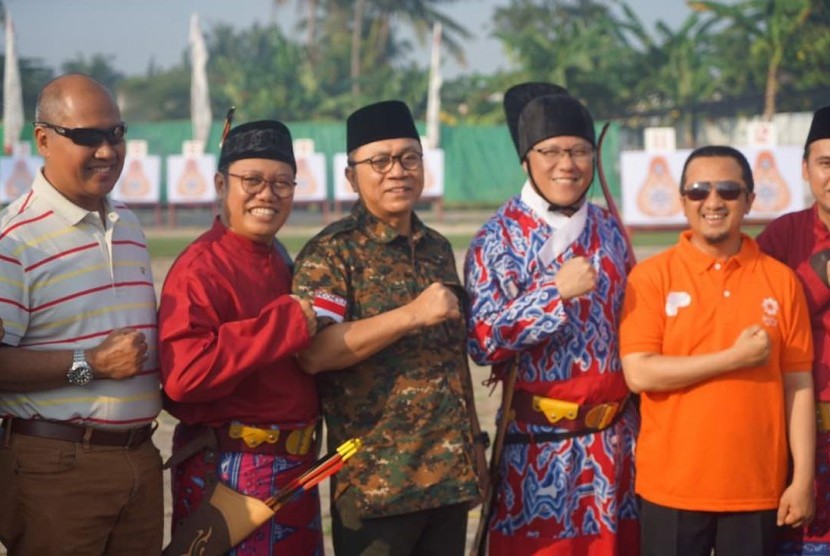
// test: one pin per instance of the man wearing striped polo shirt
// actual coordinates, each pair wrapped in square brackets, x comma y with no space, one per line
[79,387]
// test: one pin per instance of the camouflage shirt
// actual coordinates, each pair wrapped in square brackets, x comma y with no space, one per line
[411,403]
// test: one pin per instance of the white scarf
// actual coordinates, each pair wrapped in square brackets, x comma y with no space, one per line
[566,228]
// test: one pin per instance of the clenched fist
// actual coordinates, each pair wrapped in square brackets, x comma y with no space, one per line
[434,305]
[575,277]
[121,355]
[752,346]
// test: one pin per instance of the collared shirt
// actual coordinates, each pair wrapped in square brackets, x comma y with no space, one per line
[720,444]
[411,402]
[68,280]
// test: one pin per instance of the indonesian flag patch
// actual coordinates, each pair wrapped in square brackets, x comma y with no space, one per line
[329,305]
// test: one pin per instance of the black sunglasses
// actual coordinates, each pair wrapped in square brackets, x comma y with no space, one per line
[90,136]
[726,190]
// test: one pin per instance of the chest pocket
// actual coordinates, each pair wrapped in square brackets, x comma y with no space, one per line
[378,289]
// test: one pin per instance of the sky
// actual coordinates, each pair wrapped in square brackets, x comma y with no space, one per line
[136,32]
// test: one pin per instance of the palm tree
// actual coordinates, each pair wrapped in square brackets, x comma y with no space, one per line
[580,45]
[372,22]
[310,22]
[773,24]
[678,70]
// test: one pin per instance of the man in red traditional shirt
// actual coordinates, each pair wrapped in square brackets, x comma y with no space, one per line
[801,240]
[228,331]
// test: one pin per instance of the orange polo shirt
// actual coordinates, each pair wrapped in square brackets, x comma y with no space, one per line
[720,445]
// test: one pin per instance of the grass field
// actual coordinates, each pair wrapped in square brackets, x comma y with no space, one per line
[162,245]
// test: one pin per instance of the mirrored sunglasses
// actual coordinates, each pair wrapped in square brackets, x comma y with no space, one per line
[90,136]
[726,190]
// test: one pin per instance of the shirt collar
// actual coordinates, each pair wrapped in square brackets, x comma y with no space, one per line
[65,208]
[380,230]
[701,262]
[820,230]
[242,242]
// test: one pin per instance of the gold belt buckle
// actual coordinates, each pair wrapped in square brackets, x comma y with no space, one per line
[555,410]
[600,416]
[298,442]
[823,416]
[253,436]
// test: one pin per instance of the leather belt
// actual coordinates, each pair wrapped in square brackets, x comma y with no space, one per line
[70,432]
[568,416]
[236,437]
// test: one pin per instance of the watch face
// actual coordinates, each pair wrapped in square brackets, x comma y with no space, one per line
[79,375]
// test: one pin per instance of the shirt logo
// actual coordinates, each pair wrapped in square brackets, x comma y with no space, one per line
[676,300]
[329,305]
[770,308]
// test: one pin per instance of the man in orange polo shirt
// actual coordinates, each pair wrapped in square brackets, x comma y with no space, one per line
[716,336]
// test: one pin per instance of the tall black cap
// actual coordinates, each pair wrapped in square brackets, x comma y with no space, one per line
[554,116]
[517,97]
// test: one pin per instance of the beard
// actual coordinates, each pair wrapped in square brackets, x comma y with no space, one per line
[716,238]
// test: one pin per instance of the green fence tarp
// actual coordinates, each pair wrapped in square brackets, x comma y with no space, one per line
[480,163]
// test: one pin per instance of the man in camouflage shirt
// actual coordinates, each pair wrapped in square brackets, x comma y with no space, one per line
[391,353]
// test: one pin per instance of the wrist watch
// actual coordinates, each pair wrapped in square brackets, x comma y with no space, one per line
[80,373]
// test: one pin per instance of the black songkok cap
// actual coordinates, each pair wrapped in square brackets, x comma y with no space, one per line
[517,97]
[261,139]
[820,128]
[554,116]
[390,119]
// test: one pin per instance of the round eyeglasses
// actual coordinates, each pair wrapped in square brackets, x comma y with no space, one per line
[382,163]
[254,184]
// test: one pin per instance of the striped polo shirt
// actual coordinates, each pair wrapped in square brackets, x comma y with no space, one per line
[66,281]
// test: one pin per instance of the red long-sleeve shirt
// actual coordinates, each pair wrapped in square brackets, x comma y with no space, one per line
[792,239]
[228,332]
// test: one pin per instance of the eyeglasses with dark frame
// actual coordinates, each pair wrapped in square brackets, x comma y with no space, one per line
[254,184]
[555,154]
[382,163]
[89,136]
[726,189]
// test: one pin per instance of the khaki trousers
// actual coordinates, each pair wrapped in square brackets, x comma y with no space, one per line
[59,497]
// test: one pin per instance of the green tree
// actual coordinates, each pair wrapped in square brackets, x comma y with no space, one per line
[262,73]
[773,26]
[310,8]
[97,66]
[371,25]
[580,45]
[805,83]
[678,69]
[161,95]
[475,99]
